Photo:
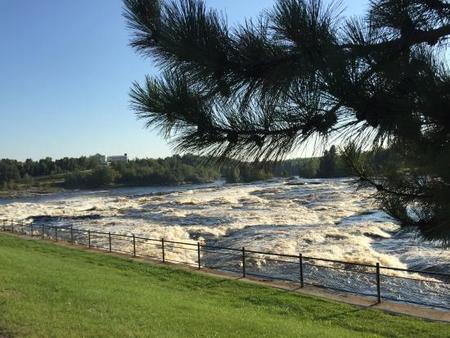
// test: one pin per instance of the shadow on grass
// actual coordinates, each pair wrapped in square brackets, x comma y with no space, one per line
[5,334]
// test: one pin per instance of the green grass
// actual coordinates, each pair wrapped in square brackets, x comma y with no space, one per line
[53,291]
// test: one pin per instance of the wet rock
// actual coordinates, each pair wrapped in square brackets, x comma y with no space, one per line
[335,237]
[374,236]
[295,183]
[46,218]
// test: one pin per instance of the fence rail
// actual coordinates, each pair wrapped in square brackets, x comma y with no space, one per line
[372,280]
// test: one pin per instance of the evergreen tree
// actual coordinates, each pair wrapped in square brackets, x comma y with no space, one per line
[309,168]
[232,174]
[328,166]
[261,89]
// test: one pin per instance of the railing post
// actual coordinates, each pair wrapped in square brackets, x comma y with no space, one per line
[134,245]
[163,250]
[198,256]
[43,231]
[89,239]
[300,261]
[109,236]
[71,234]
[378,283]
[12,226]
[56,234]
[32,230]
[3,224]
[243,262]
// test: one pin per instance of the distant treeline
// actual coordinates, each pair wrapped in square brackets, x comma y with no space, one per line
[90,172]
[330,165]
[169,171]
[13,172]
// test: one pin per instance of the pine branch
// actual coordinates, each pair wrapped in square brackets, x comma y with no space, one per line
[430,37]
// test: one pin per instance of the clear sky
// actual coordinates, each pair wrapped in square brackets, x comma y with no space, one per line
[65,73]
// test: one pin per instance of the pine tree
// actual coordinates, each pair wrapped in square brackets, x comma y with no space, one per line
[328,163]
[302,71]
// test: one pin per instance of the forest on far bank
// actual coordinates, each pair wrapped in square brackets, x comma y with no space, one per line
[89,172]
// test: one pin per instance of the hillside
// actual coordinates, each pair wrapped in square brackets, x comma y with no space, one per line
[48,290]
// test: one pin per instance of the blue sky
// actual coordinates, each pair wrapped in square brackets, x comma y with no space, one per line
[65,73]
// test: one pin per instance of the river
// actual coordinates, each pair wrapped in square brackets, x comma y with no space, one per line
[321,218]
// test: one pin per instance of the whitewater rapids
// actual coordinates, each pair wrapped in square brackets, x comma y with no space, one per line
[321,218]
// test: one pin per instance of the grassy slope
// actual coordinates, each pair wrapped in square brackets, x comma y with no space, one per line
[52,291]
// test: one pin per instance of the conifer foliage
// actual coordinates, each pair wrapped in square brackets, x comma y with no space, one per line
[302,71]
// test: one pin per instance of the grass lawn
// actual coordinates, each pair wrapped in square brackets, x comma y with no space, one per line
[52,291]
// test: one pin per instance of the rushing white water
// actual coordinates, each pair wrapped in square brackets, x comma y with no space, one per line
[319,218]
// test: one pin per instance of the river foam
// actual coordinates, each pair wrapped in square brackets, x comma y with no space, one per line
[323,218]
[328,219]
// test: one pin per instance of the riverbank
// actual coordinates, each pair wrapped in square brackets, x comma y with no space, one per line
[29,192]
[49,290]
[43,190]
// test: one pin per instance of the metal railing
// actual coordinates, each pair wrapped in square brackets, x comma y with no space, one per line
[374,280]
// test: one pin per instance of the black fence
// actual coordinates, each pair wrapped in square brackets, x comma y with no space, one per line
[374,280]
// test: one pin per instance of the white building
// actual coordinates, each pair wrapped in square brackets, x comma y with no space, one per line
[117,158]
